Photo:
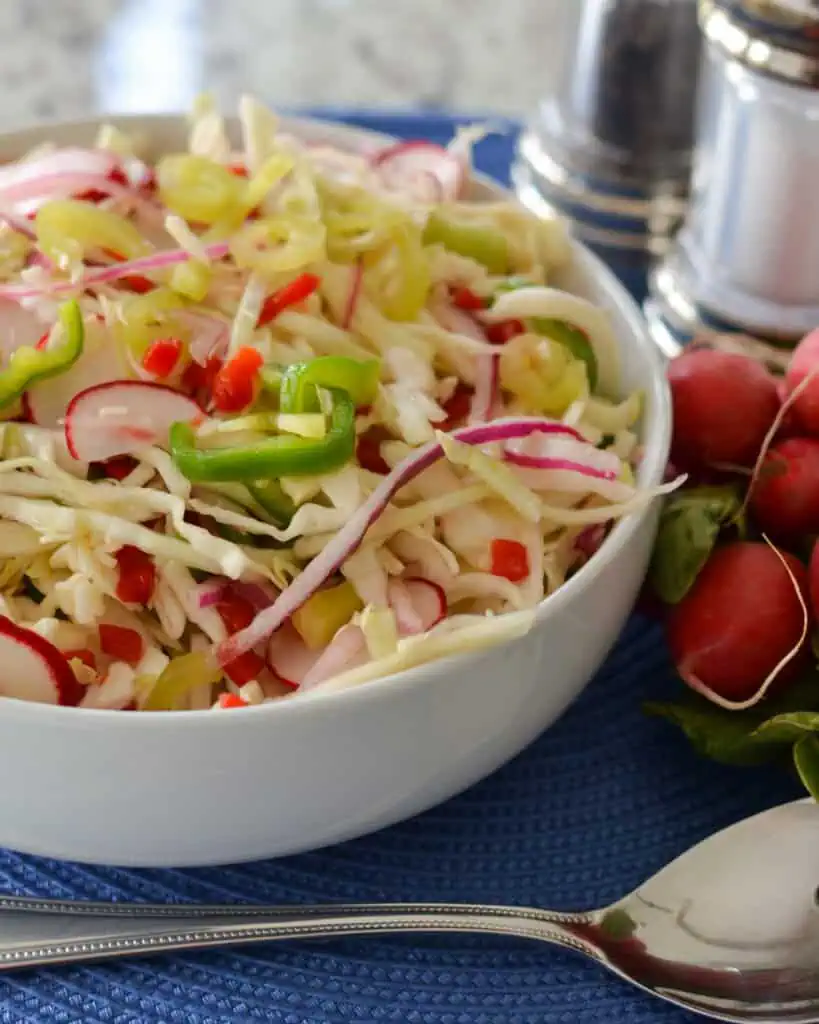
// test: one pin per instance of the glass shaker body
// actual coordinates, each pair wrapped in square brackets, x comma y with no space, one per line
[750,245]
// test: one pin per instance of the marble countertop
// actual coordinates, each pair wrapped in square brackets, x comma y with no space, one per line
[74,58]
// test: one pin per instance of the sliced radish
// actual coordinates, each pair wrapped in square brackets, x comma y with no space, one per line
[406,617]
[120,417]
[347,649]
[429,601]
[100,361]
[423,170]
[19,328]
[33,668]
[348,539]
[418,604]
[289,657]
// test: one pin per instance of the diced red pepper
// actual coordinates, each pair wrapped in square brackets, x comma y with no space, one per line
[368,450]
[236,612]
[501,332]
[121,643]
[137,575]
[456,407]
[234,386]
[510,559]
[238,169]
[83,655]
[120,466]
[232,700]
[93,195]
[200,378]
[162,356]
[297,290]
[43,341]
[245,668]
[136,283]
[130,706]
[465,298]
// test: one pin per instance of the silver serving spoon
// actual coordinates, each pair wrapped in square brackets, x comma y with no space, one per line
[730,929]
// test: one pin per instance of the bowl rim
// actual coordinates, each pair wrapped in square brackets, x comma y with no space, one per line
[655,451]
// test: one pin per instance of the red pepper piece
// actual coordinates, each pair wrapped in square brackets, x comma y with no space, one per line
[510,559]
[501,332]
[297,290]
[120,466]
[137,575]
[235,612]
[465,298]
[162,356]
[232,700]
[368,450]
[121,643]
[245,668]
[234,385]
[456,407]
[83,655]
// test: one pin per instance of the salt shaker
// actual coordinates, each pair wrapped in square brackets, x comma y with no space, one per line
[611,148]
[747,256]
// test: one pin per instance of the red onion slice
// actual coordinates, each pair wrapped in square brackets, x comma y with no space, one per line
[103,275]
[348,539]
[356,279]
[545,462]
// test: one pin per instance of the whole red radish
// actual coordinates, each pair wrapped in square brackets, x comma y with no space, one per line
[724,405]
[784,499]
[804,361]
[739,620]
[813,575]
[789,426]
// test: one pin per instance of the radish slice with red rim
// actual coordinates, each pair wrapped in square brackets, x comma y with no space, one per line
[347,649]
[348,539]
[406,617]
[428,600]
[99,363]
[425,170]
[289,657]
[121,417]
[19,328]
[34,669]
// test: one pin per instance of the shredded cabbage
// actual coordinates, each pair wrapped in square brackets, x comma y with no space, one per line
[207,260]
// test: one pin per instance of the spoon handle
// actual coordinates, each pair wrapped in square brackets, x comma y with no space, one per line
[34,932]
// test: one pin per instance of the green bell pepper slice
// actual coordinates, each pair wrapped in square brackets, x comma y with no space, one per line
[483,244]
[283,455]
[271,497]
[359,378]
[28,365]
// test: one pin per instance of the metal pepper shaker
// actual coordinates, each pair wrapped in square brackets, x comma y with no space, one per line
[747,256]
[611,147]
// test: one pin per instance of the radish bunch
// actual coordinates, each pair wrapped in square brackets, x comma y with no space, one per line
[736,563]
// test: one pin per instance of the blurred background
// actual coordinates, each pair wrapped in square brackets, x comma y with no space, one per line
[70,58]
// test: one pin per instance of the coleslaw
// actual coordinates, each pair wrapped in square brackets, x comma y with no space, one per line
[283,418]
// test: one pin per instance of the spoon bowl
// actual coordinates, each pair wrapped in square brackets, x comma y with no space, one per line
[729,930]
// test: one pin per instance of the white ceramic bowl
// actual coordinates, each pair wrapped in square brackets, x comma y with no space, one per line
[205,788]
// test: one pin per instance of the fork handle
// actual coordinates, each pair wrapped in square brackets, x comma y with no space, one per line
[35,932]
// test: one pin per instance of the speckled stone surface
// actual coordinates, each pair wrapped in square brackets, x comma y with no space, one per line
[72,58]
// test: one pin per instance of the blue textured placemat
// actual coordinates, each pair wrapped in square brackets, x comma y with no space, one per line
[602,800]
